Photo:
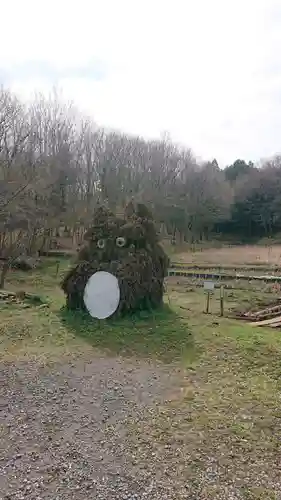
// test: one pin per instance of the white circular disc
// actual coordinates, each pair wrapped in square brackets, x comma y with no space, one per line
[102,294]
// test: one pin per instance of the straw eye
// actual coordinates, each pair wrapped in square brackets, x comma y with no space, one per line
[120,242]
[101,243]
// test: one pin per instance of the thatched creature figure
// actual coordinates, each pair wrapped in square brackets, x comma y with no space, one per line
[129,249]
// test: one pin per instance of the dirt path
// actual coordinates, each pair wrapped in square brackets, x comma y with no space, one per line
[65,430]
[110,428]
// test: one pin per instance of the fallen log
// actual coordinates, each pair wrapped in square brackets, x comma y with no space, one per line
[268,322]
[6,295]
[275,325]
[269,312]
[21,295]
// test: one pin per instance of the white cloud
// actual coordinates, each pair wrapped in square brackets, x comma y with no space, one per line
[207,72]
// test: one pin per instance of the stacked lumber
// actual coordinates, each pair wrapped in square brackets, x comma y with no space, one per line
[270,316]
[271,323]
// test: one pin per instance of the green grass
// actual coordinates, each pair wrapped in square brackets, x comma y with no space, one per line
[161,334]
[179,330]
[227,410]
[226,407]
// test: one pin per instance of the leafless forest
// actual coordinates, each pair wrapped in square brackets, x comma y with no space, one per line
[55,166]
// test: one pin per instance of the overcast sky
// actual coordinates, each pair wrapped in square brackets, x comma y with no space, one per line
[206,71]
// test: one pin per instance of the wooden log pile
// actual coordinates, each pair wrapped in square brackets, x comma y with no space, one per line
[270,316]
[22,296]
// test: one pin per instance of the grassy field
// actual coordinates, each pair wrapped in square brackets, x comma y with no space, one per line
[50,329]
[223,418]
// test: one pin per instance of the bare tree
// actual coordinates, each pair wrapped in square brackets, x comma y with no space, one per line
[55,165]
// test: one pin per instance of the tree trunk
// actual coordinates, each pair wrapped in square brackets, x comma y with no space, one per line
[4,271]
[174,237]
[32,245]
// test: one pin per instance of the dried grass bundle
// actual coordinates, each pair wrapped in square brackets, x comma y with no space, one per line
[129,249]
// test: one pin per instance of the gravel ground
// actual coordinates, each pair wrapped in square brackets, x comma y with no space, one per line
[107,429]
[65,434]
